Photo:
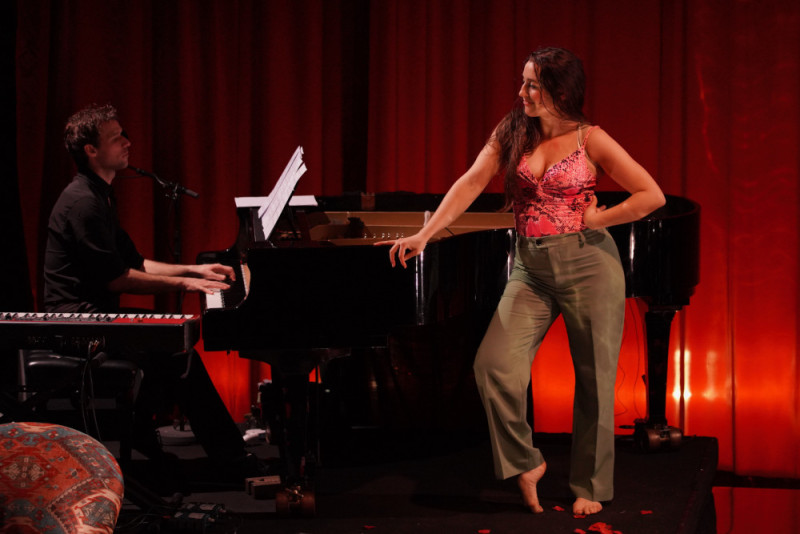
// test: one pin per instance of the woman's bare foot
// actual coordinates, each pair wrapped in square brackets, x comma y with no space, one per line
[585,506]
[527,484]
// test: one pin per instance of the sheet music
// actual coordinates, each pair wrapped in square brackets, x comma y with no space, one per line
[249,202]
[257,202]
[270,208]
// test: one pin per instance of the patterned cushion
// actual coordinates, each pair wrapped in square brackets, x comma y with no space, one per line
[54,479]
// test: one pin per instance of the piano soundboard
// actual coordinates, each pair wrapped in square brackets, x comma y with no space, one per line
[71,331]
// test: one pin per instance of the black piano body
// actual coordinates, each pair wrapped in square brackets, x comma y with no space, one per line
[660,253]
[325,285]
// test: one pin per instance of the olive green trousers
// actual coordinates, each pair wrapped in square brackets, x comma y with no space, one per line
[580,277]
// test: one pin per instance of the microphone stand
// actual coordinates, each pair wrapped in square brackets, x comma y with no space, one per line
[173,191]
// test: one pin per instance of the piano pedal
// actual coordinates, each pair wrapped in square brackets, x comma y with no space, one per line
[266,487]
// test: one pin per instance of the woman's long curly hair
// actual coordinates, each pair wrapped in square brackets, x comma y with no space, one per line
[560,74]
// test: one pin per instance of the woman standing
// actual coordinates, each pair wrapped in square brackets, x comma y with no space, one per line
[566,264]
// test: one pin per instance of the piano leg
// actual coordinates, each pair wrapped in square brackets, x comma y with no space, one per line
[285,408]
[653,433]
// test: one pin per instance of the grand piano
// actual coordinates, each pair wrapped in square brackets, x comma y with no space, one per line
[337,290]
[317,288]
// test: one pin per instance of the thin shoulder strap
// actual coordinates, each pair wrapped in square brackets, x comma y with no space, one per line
[588,133]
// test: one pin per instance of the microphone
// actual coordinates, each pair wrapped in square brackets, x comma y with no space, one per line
[174,187]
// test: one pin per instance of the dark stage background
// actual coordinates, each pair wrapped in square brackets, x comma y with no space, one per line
[392,95]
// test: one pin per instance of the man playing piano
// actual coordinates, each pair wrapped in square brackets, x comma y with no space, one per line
[90,260]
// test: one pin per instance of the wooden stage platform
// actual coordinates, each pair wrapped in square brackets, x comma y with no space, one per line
[389,483]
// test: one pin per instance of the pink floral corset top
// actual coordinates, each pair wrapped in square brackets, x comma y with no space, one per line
[554,203]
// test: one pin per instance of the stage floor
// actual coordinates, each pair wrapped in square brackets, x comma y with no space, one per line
[394,483]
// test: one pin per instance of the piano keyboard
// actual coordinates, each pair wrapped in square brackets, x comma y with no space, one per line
[117,318]
[229,298]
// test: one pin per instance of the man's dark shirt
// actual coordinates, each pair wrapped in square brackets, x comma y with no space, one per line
[86,248]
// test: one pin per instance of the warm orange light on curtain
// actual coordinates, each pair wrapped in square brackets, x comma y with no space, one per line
[217,95]
[705,97]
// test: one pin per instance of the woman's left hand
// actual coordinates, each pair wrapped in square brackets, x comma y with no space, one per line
[591,217]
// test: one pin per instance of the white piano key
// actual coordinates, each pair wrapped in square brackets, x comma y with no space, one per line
[214,300]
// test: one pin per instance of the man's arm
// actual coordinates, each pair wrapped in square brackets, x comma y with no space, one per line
[157,277]
[209,271]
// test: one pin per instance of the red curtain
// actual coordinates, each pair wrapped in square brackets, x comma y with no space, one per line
[391,95]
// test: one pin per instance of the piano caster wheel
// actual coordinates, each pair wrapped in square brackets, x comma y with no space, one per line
[282,502]
[296,499]
[655,437]
[308,505]
[675,437]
